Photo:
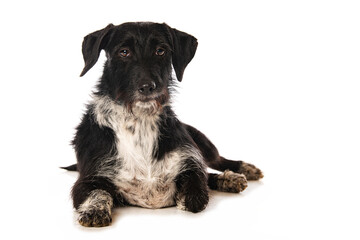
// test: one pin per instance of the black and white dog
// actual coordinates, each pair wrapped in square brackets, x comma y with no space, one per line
[130,147]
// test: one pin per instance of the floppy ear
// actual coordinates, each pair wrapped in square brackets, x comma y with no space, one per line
[92,45]
[184,48]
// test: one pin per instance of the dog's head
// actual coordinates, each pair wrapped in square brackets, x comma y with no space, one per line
[140,56]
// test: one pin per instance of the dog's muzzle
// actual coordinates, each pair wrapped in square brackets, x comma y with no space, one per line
[149,99]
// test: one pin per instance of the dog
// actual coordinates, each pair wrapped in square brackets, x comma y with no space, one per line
[131,149]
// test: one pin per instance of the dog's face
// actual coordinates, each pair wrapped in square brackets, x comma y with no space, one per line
[138,70]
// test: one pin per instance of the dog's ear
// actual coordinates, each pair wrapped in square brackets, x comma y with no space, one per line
[92,45]
[184,48]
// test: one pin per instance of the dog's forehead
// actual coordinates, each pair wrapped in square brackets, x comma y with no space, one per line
[140,33]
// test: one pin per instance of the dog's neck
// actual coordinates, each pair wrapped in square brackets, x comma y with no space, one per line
[136,131]
[110,113]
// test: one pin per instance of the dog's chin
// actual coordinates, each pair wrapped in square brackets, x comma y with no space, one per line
[147,108]
[149,105]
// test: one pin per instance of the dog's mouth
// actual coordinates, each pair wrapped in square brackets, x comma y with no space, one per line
[149,105]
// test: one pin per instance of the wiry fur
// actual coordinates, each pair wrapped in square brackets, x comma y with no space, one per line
[130,147]
[140,179]
[96,210]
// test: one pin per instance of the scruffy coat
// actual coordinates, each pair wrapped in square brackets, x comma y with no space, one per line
[131,149]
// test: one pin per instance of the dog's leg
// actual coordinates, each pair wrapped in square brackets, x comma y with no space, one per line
[93,200]
[227,181]
[249,170]
[192,190]
[96,210]
[215,161]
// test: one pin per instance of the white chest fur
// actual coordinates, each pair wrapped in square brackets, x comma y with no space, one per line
[141,179]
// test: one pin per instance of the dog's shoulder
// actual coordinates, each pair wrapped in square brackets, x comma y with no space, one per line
[172,132]
[92,140]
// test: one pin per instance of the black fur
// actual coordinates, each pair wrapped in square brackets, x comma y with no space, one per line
[172,133]
[91,143]
[139,64]
[192,184]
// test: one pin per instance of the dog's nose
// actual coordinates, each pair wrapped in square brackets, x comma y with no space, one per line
[147,88]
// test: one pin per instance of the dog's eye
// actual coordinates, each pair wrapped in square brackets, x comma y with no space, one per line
[124,52]
[160,51]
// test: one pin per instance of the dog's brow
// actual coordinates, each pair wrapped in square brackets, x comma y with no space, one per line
[157,41]
[126,42]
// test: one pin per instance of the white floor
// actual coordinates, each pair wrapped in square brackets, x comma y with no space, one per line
[308,203]
[274,83]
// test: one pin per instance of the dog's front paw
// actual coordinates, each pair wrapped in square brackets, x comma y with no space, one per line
[196,203]
[250,171]
[95,218]
[193,202]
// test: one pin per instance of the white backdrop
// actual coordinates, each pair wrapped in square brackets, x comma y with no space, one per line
[275,83]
